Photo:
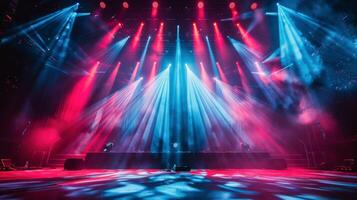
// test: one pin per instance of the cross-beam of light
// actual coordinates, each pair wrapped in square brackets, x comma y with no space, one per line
[273,56]
[198,45]
[333,37]
[200,55]
[220,44]
[221,73]
[110,82]
[200,10]
[159,40]
[63,41]
[210,125]
[137,36]
[154,9]
[56,52]
[212,58]
[135,72]
[294,48]
[146,125]
[248,39]
[157,48]
[233,8]
[205,77]
[178,81]
[38,23]
[79,96]
[243,79]
[109,36]
[142,59]
[38,41]
[82,14]
[153,71]
[109,55]
[250,59]
[242,106]
[102,118]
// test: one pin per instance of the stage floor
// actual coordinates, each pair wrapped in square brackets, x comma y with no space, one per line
[288,184]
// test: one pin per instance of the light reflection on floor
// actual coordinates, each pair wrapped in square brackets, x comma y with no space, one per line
[291,184]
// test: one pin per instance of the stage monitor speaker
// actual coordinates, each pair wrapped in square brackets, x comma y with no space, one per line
[182,168]
[74,164]
[276,163]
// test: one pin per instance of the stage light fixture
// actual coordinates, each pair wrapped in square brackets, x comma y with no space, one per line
[254,6]
[232,5]
[125,5]
[102,5]
[200,4]
[142,24]
[162,23]
[215,24]
[155,4]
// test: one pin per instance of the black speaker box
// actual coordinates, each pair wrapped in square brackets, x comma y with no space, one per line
[182,168]
[74,164]
[276,163]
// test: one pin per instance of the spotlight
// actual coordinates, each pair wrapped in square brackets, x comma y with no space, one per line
[214,24]
[102,5]
[108,147]
[232,5]
[162,23]
[155,4]
[125,5]
[142,24]
[194,24]
[200,4]
[254,6]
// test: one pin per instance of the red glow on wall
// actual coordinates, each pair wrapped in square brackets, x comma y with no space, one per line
[44,137]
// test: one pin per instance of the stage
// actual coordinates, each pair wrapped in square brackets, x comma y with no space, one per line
[171,99]
[194,160]
[201,184]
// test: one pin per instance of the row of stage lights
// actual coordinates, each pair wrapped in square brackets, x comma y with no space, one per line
[155,4]
[162,24]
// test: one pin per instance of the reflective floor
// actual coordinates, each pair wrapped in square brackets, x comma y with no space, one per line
[288,184]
